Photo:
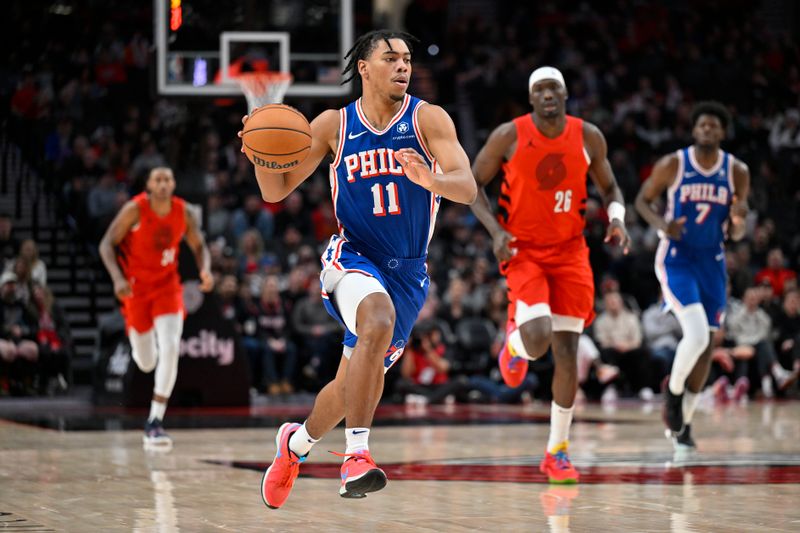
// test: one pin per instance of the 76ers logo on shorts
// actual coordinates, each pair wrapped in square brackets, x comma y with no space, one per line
[551,171]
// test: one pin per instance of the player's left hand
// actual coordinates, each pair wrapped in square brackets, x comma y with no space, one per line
[616,230]
[206,281]
[738,213]
[240,133]
[415,167]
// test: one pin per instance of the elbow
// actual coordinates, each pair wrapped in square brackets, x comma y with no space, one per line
[472,194]
[640,205]
[103,247]
[272,197]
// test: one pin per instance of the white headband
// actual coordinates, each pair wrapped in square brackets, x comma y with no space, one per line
[546,73]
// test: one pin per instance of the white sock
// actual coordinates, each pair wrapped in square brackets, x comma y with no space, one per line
[157,410]
[357,440]
[690,401]
[560,420]
[301,442]
[694,341]
[518,347]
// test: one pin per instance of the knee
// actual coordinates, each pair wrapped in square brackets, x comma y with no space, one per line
[698,342]
[29,350]
[377,324]
[169,347]
[8,352]
[536,336]
[145,364]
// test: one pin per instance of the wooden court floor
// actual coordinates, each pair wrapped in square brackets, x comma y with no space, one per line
[450,468]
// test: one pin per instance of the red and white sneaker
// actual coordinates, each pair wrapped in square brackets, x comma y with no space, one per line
[276,485]
[360,475]
[512,367]
[557,467]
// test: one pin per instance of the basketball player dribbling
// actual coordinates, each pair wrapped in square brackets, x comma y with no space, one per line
[706,188]
[148,231]
[538,240]
[394,157]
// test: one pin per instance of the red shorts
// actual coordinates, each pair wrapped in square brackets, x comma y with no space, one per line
[141,309]
[559,276]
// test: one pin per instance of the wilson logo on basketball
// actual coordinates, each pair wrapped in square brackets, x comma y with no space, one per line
[272,164]
[551,171]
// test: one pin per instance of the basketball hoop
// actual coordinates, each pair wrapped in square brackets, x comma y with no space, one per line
[262,88]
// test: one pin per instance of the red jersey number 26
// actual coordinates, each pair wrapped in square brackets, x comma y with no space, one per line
[563,201]
[167,256]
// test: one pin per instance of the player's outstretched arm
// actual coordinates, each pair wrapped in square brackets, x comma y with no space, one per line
[324,138]
[603,178]
[127,217]
[662,177]
[197,243]
[456,183]
[739,207]
[485,168]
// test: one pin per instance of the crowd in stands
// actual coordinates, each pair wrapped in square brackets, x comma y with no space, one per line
[35,340]
[635,71]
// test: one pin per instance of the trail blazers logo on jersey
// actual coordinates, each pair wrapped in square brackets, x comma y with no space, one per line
[704,192]
[372,163]
[551,171]
[162,238]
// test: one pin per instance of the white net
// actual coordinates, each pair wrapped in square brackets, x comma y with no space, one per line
[262,88]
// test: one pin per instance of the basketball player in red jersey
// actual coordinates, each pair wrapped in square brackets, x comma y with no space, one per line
[148,231]
[538,240]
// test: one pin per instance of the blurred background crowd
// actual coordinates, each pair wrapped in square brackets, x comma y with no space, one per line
[78,97]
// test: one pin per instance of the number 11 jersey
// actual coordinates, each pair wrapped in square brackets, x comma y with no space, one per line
[377,207]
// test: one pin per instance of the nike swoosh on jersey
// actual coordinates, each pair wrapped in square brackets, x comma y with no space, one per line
[719,257]
[350,135]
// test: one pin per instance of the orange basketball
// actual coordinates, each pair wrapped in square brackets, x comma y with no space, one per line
[276,138]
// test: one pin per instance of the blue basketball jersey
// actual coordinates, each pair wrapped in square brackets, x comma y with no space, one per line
[378,208]
[703,197]
[692,270]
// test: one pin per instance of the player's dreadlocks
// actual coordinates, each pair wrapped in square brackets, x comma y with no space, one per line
[364,46]
[715,109]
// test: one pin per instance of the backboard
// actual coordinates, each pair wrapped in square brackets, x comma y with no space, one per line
[200,44]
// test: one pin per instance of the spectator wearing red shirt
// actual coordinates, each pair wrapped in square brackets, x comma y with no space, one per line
[425,369]
[778,276]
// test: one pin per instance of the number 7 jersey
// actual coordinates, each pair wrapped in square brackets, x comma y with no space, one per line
[377,207]
[703,197]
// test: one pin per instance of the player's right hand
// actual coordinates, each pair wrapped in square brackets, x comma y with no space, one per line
[501,246]
[675,229]
[122,289]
